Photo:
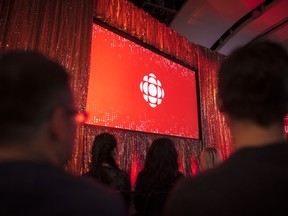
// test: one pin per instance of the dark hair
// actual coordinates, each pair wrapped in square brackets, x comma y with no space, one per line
[102,150]
[30,85]
[161,163]
[253,83]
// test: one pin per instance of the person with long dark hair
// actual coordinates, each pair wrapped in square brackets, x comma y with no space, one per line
[103,166]
[158,176]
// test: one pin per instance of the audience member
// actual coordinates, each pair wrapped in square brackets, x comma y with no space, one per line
[157,178]
[210,157]
[104,168]
[253,94]
[37,133]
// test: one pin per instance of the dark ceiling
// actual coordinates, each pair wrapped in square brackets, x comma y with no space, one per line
[162,10]
[222,25]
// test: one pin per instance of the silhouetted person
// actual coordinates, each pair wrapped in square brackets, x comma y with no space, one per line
[104,168]
[158,176]
[37,134]
[253,94]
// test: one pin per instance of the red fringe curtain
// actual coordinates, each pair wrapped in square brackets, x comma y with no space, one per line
[214,128]
[125,16]
[58,29]
[63,29]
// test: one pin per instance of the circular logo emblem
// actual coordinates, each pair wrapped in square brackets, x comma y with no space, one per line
[152,90]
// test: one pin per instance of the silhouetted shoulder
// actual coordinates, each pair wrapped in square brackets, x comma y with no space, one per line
[51,191]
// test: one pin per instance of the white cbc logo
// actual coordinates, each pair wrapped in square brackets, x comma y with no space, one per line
[152,90]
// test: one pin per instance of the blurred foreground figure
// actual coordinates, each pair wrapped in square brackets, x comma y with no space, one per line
[37,134]
[253,95]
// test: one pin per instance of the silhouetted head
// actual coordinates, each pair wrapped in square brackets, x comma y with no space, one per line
[103,150]
[210,157]
[37,108]
[253,83]
[162,157]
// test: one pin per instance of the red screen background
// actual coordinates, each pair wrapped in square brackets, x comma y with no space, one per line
[114,99]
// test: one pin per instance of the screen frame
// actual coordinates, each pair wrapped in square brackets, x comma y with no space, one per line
[163,54]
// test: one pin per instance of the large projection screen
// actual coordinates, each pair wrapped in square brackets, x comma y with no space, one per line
[131,87]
